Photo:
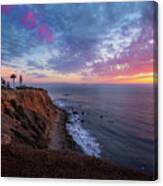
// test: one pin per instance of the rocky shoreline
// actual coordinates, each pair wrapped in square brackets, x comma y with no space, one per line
[35,142]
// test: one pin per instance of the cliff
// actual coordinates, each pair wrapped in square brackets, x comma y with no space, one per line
[28,117]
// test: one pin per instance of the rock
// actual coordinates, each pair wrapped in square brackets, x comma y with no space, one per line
[75,112]
[111,121]
[24,114]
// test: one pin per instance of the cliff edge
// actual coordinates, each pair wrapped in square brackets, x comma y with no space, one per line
[28,116]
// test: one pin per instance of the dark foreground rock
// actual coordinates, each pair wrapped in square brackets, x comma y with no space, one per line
[23,161]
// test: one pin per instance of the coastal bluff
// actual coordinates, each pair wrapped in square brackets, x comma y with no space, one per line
[27,118]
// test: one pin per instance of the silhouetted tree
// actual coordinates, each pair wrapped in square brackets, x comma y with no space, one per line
[3,82]
[13,77]
[20,80]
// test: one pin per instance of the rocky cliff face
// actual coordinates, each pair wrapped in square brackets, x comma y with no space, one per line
[27,116]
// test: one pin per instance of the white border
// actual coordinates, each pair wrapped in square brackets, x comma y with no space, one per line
[62,182]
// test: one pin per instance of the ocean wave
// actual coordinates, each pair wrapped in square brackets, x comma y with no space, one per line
[80,135]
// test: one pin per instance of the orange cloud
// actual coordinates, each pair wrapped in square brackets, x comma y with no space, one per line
[54,77]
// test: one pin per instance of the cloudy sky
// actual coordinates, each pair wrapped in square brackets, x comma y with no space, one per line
[79,43]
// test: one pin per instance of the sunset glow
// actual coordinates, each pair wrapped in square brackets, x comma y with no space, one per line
[79,43]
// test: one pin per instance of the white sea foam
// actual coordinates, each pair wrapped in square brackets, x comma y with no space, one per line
[60,103]
[79,134]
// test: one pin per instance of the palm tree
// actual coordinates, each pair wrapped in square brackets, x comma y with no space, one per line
[13,76]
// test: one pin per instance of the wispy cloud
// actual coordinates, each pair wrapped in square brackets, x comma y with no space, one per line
[86,39]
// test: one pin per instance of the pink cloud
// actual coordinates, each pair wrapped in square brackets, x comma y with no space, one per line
[45,33]
[29,21]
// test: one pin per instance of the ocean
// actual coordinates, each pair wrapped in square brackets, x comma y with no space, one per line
[113,122]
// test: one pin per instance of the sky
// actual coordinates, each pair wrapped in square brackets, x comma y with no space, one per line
[79,43]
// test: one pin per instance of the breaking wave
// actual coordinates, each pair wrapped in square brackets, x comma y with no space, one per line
[80,135]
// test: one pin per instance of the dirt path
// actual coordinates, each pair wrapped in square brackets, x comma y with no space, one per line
[59,139]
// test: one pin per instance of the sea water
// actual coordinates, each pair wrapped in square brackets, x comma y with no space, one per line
[114,122]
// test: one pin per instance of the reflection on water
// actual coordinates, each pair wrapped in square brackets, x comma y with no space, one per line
[120,117]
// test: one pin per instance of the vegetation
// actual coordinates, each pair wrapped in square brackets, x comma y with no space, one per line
[6,84]
[3,82]
[13,77]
